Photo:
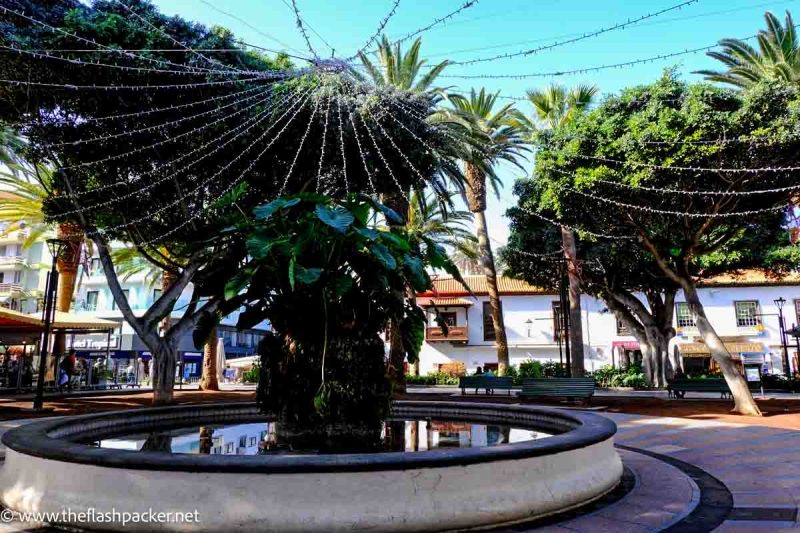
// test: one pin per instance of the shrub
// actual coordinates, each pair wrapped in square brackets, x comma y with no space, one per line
[433,378]
[609,376]
[531,369]
[551,369]
[251,375]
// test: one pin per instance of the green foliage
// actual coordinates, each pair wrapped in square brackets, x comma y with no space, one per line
[608,376]
[531,369]
[252,375]
[432,378]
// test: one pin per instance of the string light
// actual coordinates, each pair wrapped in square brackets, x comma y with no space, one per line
[302,28]
[300,147]
[131,87]
[309,26]
[675,213]
[701,193]
[436,22]
[574,228]
[618,26]
[163,125]
[324,139]
[682,168]
[254,121]
[110,49]
[225,68]
[396,148]
[383,159]
[378,32]
[225,191]
[137,150]
[361,153]
[143,113]
[209,180]
[341,144]
[39,55]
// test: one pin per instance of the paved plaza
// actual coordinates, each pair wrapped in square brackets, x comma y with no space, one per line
[682,475]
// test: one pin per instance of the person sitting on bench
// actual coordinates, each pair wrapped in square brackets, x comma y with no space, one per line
[489,374]
[478,372]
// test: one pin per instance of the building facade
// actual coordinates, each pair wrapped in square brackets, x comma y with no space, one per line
[742,308]
[22,271]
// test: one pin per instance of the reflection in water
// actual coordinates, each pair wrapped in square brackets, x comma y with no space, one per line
[261,438]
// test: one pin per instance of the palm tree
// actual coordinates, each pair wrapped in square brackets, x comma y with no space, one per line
[400,69]
[556,108]
[501,136]
[27,188]
[777,56]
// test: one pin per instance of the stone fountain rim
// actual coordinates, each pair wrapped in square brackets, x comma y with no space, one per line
[41,439]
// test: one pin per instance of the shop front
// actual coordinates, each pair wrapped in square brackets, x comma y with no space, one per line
[625,354]
[696,356]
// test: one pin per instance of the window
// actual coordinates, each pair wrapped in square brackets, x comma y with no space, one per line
[91,300]
[449,318]
[156,295]
[747,314]
[622,329]
[17,277]
[216,450]
[252,441]
[558,321]
[262,435]
[683,315]
[797,310]
[488,323]
[2,276]
[3,250]
[125,293]
[95,268]
[243,441]
[229,447]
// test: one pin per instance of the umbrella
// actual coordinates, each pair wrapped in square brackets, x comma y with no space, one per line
[220,359]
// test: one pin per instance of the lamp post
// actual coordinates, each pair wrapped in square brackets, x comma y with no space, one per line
[779,303]
[56,247]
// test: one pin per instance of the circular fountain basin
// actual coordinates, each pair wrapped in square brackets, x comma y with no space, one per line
[49,468]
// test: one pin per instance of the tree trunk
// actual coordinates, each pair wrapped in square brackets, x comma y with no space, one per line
[743,401]
[209,381]
[167,280]
[164,362]
[67,264]
[206,440]
[575,314]
[397,352]
[487,261]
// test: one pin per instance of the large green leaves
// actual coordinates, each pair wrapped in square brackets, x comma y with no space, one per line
[338,217]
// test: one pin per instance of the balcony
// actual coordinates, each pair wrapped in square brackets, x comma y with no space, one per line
[456,334]
[12,260]
[10,288]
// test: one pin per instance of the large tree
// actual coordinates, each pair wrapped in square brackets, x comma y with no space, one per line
[203,141]
[682,168]
[776,58]
[500,138]
[557,108]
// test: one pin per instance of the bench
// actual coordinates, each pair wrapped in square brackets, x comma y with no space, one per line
[558,388]
[489,383]
[698,385]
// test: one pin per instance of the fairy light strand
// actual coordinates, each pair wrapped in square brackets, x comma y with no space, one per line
[341,146]
[131,87]
[299,148]
[384,21]
[383,159]
[301,26]
[653,166]
[155,127]
[162,142]
[573,228]
[361,153]
[324,140]
[436,22]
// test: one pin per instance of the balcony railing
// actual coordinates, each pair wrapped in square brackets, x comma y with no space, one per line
[12,260]
[454,334]
[10,288]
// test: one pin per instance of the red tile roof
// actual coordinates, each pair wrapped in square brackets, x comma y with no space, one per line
[751,278]
[444,287]
[443,302]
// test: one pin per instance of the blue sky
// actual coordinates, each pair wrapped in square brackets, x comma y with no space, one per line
[494,27]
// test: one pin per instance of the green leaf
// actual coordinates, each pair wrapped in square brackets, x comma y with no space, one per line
[390,214]
[342,284]
[415,269]
[239,281]
[398,241]
[338,217]
[384,255]
[264,212]
[368,233]
[412,332]
[292,263]
[307,276]
[259,246]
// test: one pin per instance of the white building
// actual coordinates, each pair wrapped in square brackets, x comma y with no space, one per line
[22,271]
[741,307]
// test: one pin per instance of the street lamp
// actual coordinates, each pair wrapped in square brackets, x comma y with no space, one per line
[779,303]
[56,247]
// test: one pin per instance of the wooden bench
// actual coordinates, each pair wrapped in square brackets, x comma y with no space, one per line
[489,383]
[699,385]
[558,388]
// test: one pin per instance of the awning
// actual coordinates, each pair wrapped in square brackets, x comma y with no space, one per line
[627,345]
[699,349]
[73,321]
[425,301]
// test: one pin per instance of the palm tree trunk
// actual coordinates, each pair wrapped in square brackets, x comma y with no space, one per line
[208,380]
[476,202]
[68,263]
[397,352]
[487,262]
[575,314]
